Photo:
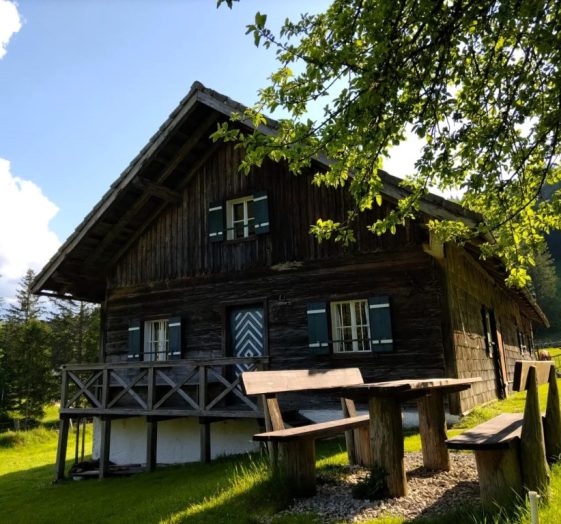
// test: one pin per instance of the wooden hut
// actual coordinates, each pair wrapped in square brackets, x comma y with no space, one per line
[202,272]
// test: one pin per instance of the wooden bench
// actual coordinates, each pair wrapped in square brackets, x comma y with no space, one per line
[292,450]
[511,449]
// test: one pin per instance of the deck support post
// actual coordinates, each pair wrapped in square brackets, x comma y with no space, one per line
[104,448]
[205,441]
[64,425]
[432,427]
[204,424]
[386,435]
[151,443]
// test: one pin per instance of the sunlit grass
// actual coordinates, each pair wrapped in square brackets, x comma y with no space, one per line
[235,489]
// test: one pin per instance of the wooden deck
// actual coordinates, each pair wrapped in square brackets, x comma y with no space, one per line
[209,390]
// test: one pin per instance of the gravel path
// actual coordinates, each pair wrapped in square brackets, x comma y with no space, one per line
[430,493]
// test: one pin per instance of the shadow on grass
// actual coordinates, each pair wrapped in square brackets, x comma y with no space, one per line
[234,489]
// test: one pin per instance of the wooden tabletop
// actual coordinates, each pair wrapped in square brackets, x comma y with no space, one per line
[408,388]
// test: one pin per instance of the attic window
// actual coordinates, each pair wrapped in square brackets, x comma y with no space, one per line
[240,218]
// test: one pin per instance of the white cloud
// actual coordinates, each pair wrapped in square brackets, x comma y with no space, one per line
[25,239]
[10,23]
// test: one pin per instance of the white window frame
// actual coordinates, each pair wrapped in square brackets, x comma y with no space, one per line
[231,223]
[156,349]
[359,345]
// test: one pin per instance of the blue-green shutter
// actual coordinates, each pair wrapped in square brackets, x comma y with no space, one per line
[318,332]
[379,316]
[216,222]
[135,340]
[261,212]
[174,334]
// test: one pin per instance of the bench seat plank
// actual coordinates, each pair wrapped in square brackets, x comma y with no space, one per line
[497,433]
[321,429]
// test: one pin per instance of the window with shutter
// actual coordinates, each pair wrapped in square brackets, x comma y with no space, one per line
[350,326]
[318,333]
[174,328]
[134,340]
[156,339]
[216,222]
[261,211]
[381,338]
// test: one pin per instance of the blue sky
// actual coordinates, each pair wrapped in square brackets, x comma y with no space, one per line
[84,85]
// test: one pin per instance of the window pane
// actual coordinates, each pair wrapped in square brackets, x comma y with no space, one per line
[239,230]
[238,211]
[350,326]
[250,214]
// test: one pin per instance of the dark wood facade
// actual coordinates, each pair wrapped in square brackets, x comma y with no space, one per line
[158,261]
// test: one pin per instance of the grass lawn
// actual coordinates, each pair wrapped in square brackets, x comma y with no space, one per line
[231,490]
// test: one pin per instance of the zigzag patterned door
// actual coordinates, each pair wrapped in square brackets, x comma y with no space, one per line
[247,334]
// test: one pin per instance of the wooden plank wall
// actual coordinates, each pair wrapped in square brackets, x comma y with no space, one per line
[409,277]
[470,288]
[176,245]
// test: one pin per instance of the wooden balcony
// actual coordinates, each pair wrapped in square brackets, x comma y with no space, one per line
[207,389]
[182,388]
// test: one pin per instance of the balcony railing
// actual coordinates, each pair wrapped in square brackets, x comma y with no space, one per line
[199,388]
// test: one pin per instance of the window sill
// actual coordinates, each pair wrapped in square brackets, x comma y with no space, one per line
[232,241]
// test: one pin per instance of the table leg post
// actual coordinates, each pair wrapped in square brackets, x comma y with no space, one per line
[432,427]
[386,437]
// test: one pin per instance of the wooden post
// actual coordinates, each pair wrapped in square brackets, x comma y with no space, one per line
[552,421]
[64,424]
[273,422]
[386,437]
[77,450]
[151,443]
[432,426]
[298,458]
[204,425]
[105,445]
[349,410]
[535,472]
[500,478]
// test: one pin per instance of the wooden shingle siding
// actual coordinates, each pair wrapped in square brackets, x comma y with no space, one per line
[470,288]
[177,244]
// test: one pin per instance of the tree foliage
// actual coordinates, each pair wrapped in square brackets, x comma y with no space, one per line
[479,82]
[33,346]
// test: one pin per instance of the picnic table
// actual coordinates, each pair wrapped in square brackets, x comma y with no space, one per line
[386,428]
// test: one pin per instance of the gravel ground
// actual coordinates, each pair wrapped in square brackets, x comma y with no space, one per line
[430,493]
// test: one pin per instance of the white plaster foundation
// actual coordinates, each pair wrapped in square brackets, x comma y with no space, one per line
[178,440]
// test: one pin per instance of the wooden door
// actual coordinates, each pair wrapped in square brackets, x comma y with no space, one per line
[247,334]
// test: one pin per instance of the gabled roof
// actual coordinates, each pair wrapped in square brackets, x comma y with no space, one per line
[153,179]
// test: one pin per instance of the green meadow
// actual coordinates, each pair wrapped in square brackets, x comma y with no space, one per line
[233,489]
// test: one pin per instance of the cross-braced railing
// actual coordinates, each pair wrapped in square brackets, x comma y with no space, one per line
[200,388]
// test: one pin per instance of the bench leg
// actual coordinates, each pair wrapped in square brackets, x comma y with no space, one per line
[500,478]
[298,459]
[432,427]
[363,450]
